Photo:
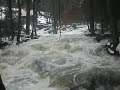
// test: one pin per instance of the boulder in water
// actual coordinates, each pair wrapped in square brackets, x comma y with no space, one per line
[2,87]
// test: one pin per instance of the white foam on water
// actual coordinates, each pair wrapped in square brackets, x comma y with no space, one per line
[73,52]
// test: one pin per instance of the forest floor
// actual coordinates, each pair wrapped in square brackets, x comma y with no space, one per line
[55,63]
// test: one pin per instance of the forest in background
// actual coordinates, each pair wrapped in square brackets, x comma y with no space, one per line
[59,43]
[58,13]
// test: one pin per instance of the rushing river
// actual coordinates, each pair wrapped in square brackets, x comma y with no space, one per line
[72,61]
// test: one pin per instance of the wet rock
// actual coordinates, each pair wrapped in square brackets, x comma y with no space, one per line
[101,37]
[3,44]
[35,37]
[45,66]
[2,87]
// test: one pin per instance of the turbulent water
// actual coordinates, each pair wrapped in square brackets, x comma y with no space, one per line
[57,63]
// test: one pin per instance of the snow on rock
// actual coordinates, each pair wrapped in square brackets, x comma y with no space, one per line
[67,61]
[41,20]
[2,16]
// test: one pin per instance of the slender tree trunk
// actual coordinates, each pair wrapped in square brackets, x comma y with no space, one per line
[115,35]
[35,6]
[34,9]
[60,16]
[35,21]
[85,6]
[35,12]
[28,18]
[11,19]
[102,15]
[92,18]
[113,24]
[19,21]
[101,21]
[54,18]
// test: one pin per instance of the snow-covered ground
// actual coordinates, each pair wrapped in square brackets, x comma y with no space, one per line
[53,62]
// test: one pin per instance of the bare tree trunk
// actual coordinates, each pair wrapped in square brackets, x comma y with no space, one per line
[54,18]
[92,18]
[115,33]
[113,24]
[33,21]
[34,17]
[60,16]
[85,6]
[102,15]
[101,21]
[11,19]
[19,21]
[28,18]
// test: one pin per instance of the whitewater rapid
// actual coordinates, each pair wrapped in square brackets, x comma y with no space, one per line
[55,63]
